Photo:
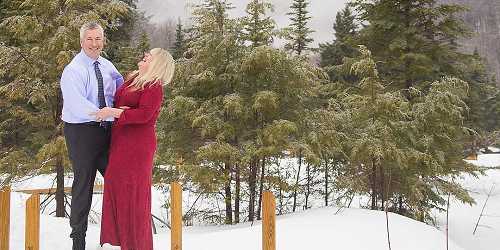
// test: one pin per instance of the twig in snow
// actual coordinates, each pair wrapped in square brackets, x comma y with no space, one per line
[482,210]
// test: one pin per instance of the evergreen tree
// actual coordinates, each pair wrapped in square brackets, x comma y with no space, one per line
[131,55]
[258,27]
[3,10]
[299,40]
[416,40]
[483,95]
[234,109]
[127,50]
[401,153]
[122,31]
[298,32]
[143,44]
[204,85]
[43,37]
[180,41]
[345,30]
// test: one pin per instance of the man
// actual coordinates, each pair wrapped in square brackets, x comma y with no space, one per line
[88,83]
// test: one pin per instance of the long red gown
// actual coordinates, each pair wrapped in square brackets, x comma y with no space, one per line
[126,211]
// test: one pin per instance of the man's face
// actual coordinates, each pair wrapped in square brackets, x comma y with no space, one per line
[92,43]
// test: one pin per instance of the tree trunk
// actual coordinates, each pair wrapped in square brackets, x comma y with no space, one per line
[237,195]
[261,188]
[297,182]
[308,185]
[373,183]
[60,208]
[60,196]
[382,186]
[252,186]
[326,182]
[400,205]
[228,198]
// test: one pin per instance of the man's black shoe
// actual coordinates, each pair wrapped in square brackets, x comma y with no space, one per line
[78,243]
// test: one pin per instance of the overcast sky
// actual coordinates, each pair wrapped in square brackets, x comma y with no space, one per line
[322,11]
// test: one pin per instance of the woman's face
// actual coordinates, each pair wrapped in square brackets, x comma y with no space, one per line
[144,63]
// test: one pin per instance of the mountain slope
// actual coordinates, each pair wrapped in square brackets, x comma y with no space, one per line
[483,18]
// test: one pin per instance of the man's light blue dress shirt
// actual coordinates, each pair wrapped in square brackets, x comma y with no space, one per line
[79,87]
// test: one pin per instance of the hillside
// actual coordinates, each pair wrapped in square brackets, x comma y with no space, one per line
[483,18]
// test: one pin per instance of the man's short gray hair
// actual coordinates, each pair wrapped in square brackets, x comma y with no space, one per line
[90,26]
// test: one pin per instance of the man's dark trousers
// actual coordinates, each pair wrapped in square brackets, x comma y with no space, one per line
[88,148]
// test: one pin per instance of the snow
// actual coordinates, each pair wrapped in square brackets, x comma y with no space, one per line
[463,218]
[486,160]
[320,228]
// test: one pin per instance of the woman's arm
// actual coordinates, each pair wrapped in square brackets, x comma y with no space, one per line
[149,103]
[107,112]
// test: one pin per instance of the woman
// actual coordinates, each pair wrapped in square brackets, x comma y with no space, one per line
[126,211]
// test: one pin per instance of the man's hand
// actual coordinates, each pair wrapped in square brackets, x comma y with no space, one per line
[107,112]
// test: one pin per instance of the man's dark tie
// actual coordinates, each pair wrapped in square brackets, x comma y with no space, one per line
[100,86]
[100,93]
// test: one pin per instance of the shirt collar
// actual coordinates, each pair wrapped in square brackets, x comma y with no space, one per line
[89,61]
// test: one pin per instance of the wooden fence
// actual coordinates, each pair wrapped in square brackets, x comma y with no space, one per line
[32,230]
[4,218]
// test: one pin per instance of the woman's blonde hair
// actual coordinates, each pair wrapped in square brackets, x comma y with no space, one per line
[161,68]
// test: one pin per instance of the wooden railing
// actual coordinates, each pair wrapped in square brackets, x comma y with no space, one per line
[32,231]
[67,190]
[176,210]
[4,218]
[268,221]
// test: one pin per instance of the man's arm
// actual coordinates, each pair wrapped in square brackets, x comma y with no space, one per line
[116,76]
[73,91]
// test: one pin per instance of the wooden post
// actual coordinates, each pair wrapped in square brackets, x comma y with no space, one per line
[176,215]
[32,233]
[4,218]
[268,221]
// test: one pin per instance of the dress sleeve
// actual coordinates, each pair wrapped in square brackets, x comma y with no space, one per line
[149,104]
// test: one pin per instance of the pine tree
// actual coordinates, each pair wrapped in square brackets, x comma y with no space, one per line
[345,30]
[298,32]
[143,44]
[203,90]
[122,31]
[258,27]
[417,40]
[258,30]
[482,94]
[179,45]
[131,55]
[3,10]
[402,164]
[43,38]
[234,109]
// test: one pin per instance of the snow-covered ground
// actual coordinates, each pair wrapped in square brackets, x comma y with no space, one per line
[351,229]
[355,229]
[463,218]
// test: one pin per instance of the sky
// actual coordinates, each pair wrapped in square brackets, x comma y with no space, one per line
[322,11]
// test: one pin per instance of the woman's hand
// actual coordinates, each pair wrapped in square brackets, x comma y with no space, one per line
[107,112]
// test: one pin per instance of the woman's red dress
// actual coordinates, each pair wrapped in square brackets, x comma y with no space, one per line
[126,211]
